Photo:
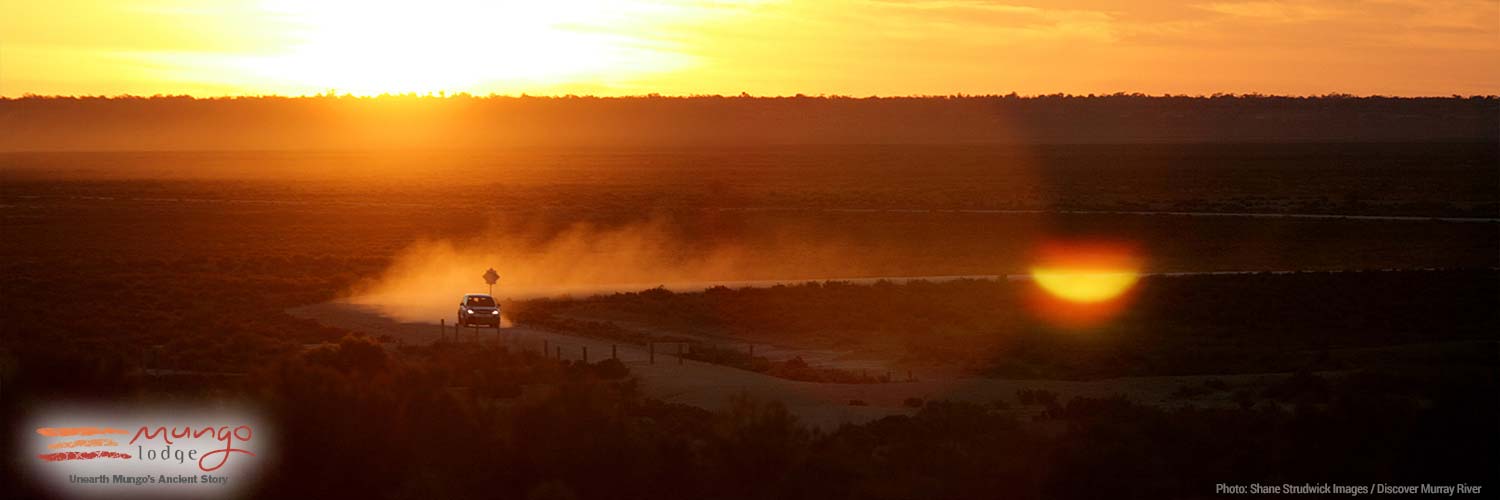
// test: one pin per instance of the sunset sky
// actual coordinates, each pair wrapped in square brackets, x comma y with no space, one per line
[764,47]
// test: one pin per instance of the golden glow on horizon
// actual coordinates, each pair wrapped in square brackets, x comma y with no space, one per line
[765,47]
[1084,285]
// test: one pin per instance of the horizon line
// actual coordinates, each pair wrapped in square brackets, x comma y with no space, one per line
[436,95]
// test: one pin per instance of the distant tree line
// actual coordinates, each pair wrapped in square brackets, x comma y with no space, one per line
[38,123]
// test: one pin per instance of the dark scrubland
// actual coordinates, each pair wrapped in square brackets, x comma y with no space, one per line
[1421,179]
[185,262]
[1191,325]
[466,421]
[1396,371]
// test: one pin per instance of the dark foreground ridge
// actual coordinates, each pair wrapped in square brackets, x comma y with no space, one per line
[469,122]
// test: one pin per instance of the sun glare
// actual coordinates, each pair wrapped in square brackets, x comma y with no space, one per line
[458,45]
[1085,274]
[1084,286]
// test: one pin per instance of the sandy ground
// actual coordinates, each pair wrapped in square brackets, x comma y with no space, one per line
[710,386]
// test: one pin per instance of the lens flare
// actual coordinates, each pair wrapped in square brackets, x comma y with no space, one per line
[1083,285]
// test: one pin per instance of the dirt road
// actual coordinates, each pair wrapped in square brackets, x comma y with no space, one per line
[710,386]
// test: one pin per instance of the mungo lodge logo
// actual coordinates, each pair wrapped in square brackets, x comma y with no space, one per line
[192,454]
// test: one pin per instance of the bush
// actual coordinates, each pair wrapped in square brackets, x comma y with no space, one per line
[1036,396]
[352,353]
[611,369]
[1301,387]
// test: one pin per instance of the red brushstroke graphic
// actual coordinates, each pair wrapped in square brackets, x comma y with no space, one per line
[81,455]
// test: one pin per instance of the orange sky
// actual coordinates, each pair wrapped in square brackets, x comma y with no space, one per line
[764,47]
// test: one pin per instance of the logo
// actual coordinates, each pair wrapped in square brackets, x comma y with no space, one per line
[173,452]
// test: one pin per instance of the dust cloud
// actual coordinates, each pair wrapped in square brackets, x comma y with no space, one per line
[424,281]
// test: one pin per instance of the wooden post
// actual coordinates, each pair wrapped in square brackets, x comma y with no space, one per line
[585,355]
[442,329]
[651,356]
[614,352]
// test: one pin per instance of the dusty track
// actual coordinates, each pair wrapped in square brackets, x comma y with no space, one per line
[710,386]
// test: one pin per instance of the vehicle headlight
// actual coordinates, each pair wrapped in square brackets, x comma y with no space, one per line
[470,311]
[495,312]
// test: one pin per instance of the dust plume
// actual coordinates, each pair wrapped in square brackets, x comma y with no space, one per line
[425,281]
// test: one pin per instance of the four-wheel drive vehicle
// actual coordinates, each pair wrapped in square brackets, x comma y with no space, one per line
[479,309]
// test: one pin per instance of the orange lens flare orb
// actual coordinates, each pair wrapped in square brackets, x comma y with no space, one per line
[1083,283]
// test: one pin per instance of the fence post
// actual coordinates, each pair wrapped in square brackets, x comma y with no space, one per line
[585,355]
[442,329]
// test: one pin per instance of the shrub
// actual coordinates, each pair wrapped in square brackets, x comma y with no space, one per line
[611,369]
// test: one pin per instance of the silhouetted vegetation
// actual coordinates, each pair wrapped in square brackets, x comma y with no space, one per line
[463,121]
[539,313]
[137,278]
[1169,325]
[475,421]
[792,369]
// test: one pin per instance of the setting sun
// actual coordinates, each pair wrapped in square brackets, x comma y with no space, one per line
[762,47]
[373,47]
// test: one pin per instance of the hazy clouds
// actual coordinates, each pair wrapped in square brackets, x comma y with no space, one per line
[771,47]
